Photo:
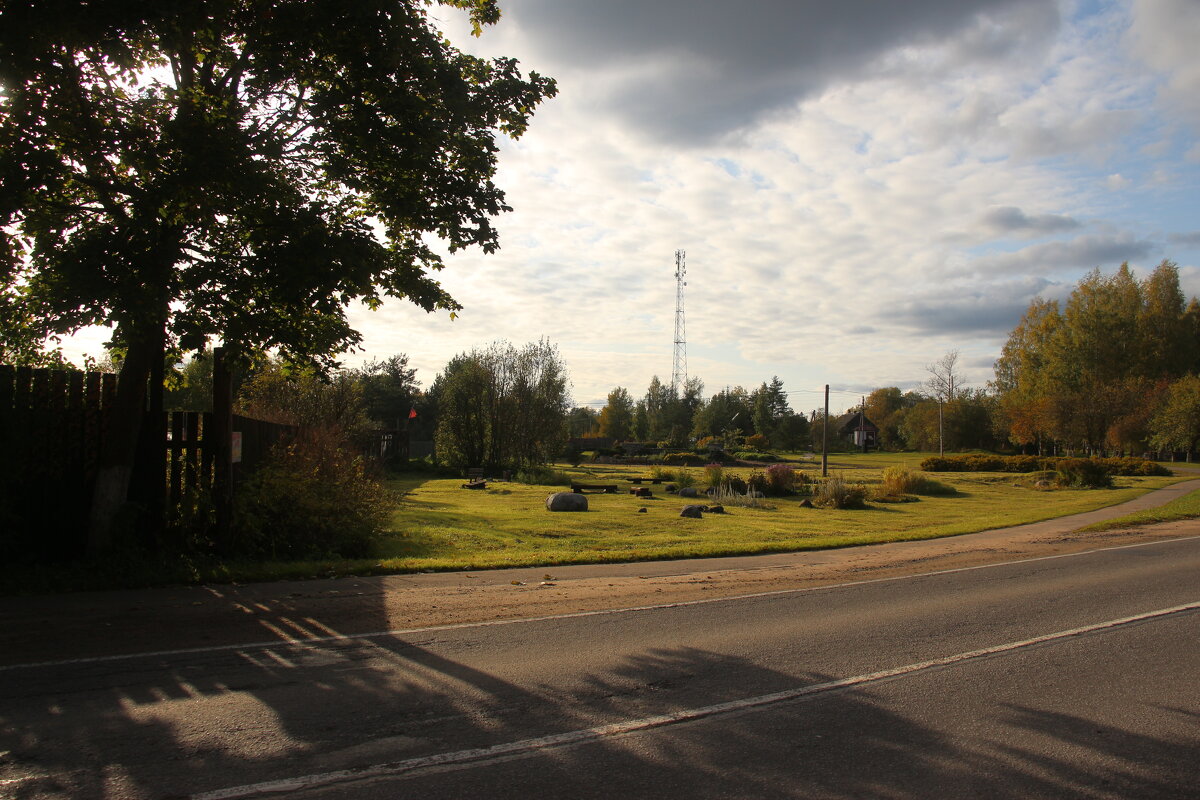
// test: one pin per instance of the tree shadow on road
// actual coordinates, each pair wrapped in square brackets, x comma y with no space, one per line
[178,724]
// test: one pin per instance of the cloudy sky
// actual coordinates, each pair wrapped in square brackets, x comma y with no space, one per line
[859,186]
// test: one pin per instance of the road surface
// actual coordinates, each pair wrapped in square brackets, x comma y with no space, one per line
[1068,675]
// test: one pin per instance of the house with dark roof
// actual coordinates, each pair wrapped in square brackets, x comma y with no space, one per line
[857,429]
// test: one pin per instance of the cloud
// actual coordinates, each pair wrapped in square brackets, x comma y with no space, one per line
[1164,33]
[690,71]
[966,310]
[1012,220]
[1191,239]
[1084,252]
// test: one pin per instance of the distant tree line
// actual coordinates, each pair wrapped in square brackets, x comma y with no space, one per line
[1114,370]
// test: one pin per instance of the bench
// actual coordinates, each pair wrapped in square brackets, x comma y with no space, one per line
[606,488]
[475,474]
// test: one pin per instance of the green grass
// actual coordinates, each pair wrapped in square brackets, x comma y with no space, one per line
[442,527]
[1186,507]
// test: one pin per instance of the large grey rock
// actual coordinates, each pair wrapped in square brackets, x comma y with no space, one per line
[566,501]
[692,512]
[688,491]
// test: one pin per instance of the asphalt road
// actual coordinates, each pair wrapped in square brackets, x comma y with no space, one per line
[1072,676]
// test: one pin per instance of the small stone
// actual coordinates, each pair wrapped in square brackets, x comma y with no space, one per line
[806,503]
[642,510]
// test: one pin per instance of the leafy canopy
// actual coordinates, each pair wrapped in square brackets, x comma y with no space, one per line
[242,168]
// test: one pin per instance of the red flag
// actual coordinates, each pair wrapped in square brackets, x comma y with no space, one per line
[412,413]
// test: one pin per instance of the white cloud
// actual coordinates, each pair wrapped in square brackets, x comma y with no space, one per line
[849,186]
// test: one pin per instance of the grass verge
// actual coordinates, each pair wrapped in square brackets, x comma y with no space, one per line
[1186,507]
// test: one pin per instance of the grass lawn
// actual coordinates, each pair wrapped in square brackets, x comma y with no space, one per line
[441,526]
[1186,507]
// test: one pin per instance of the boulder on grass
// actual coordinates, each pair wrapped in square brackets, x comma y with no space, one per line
[715,510]
[566,501]
[688,491]
[692,512]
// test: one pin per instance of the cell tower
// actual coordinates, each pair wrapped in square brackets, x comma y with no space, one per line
[679,367]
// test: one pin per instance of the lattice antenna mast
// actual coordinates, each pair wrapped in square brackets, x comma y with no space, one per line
[679,365]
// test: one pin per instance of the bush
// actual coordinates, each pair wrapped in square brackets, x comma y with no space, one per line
[714,474]
[901,480]
[758,483]
[684,479]
[543,476]
[781,479]
[312,499]
[1083,473]
[982,463]
[836,492]
[758,442]
[683,460]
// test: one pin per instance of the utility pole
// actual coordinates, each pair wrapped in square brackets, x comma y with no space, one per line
[862,424]
[825,437]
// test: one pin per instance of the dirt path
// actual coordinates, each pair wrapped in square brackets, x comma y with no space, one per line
[99,624]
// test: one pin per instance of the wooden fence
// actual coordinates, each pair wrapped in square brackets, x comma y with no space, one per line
[53,426]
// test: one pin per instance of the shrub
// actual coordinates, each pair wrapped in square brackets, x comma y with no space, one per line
[758,442]
[702,445]
[312,499]
[1084,473]
[836,492]
[683,460]
[781,479]
[714,474]
[758,482]
[735,484]
[901,480]
[684,479]
[983,463]
[542,476]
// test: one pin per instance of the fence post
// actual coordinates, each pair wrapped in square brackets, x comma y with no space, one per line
[221,442]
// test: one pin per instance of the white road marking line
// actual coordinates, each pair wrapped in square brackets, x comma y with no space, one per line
[313,643]
[467,758]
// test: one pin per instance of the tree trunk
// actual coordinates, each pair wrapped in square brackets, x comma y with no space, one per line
[119,450]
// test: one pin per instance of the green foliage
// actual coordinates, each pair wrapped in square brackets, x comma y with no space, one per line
[757,482]
[684,478]
[992,463]
[616,418]
[239,193]
[714,475]
[758,442]
[313,499]
[502,407]
[1082,473]
[836,492]
[1176,424]
[684,460]
[288,394]
[1089,374]
[538,475]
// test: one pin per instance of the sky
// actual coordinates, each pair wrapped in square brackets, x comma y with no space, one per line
[860,187]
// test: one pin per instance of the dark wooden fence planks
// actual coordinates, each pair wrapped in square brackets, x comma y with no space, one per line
[53,425]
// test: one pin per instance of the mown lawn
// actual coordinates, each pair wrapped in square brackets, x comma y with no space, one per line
[441,526]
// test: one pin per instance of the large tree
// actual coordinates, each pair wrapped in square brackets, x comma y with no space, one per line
[243,169]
